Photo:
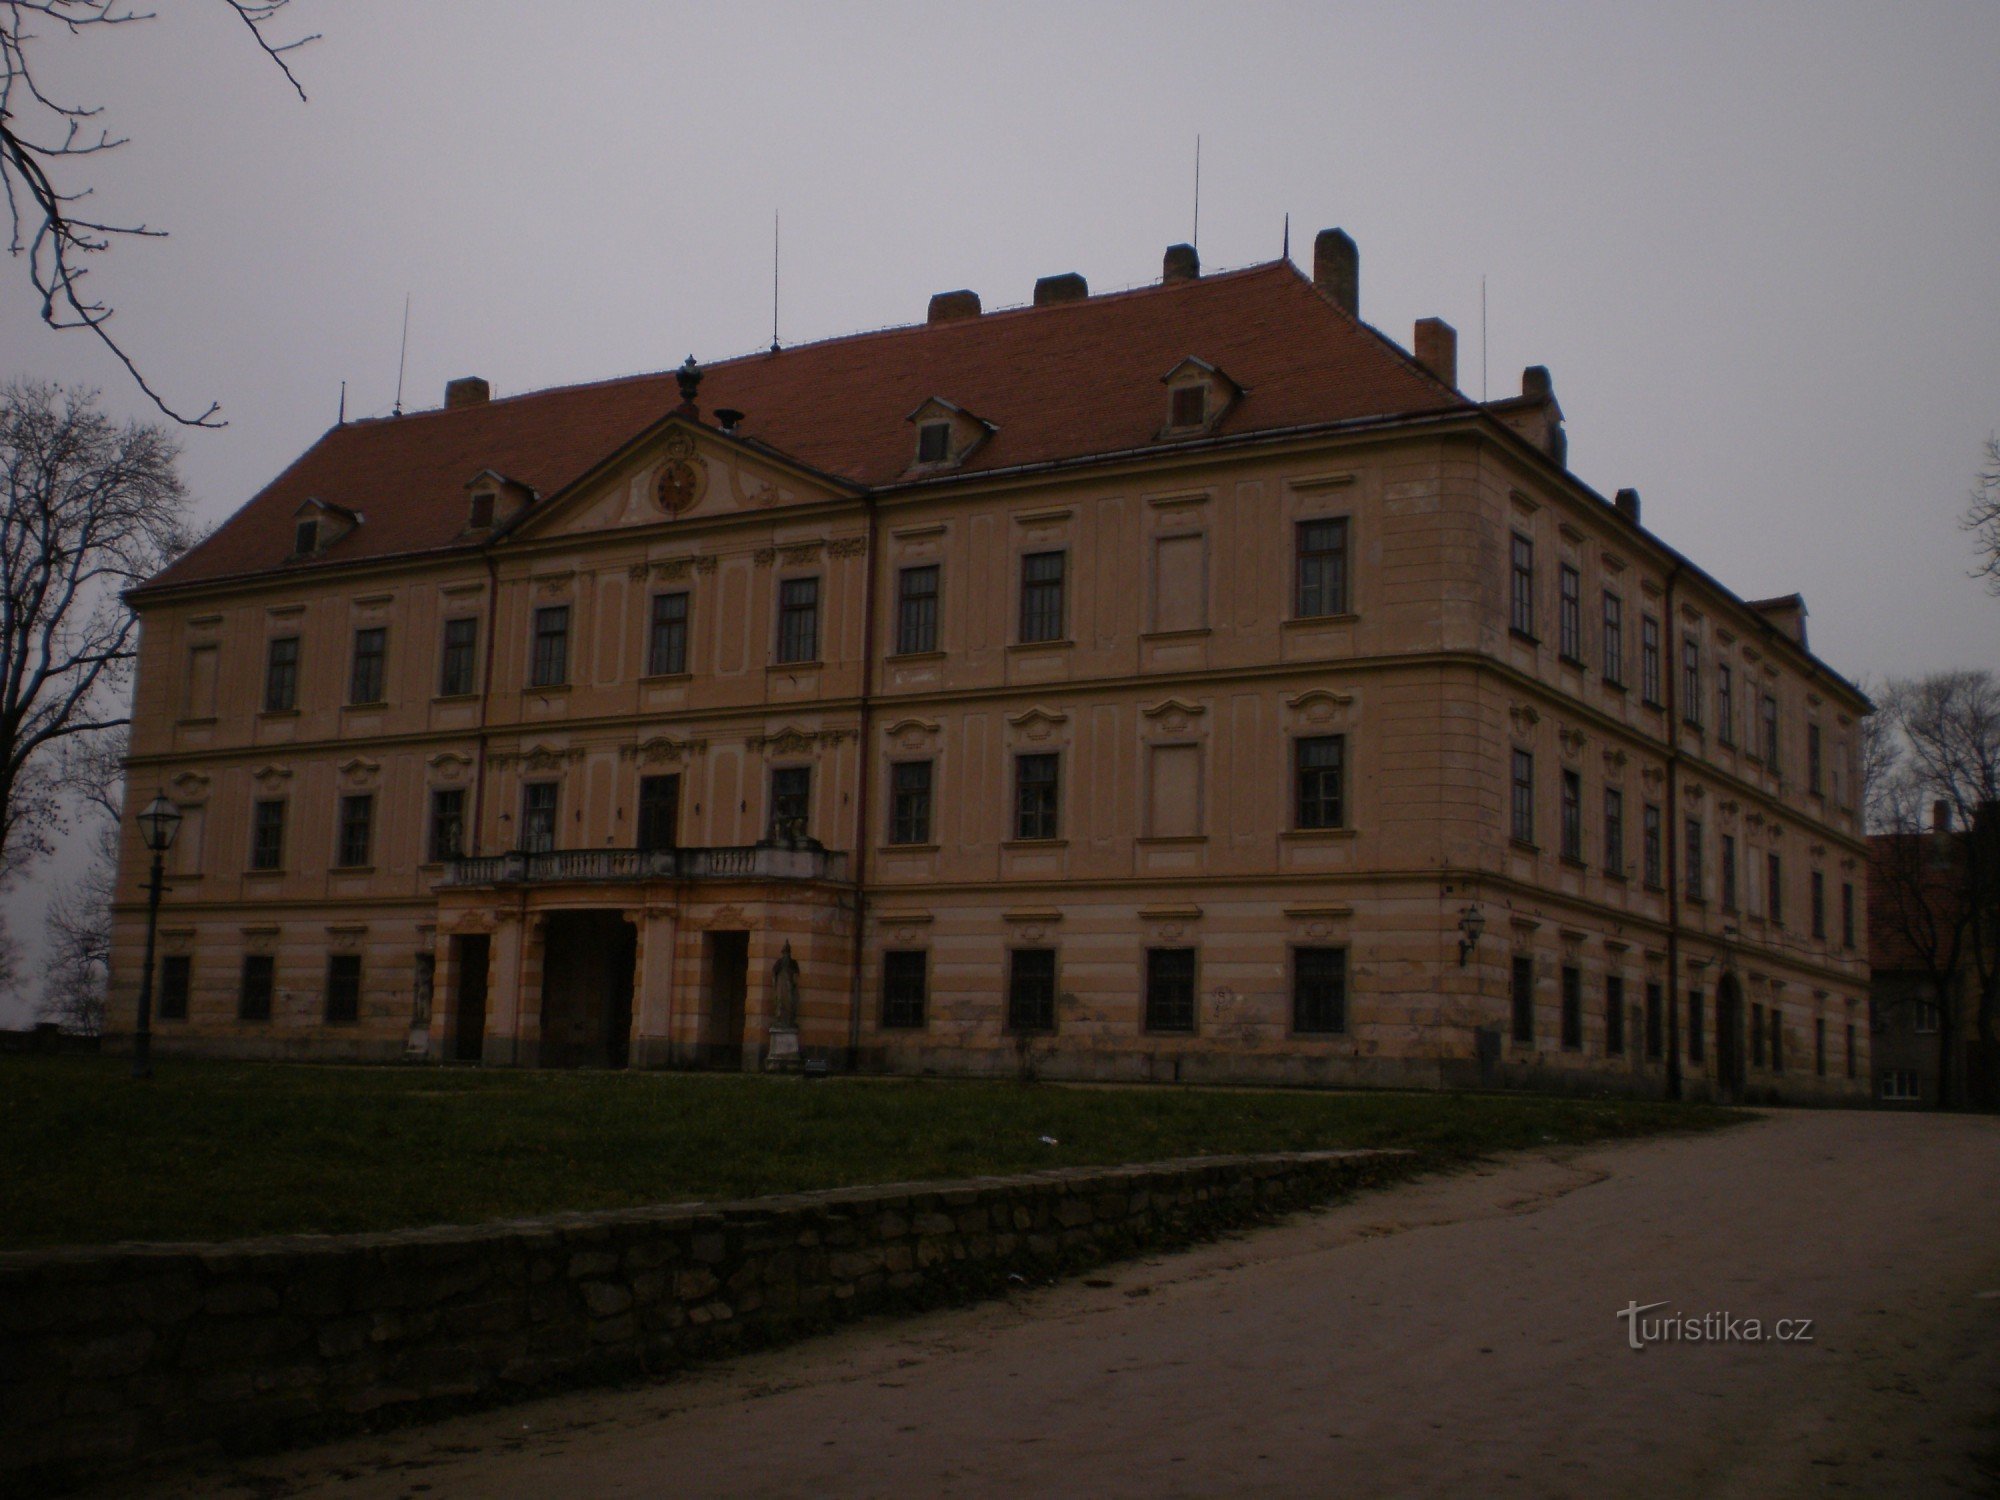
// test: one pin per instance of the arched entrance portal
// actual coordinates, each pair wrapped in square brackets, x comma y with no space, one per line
[1729,1038]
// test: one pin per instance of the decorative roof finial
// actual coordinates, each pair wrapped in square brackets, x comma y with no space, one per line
[689,376]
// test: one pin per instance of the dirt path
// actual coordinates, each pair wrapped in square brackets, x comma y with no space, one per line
[1457,1336]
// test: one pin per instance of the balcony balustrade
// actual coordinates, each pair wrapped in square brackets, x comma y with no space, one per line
[779,861]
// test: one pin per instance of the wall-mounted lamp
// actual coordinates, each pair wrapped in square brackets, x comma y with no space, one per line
[1471,922]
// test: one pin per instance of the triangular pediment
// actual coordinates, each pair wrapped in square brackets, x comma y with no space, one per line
[680,469]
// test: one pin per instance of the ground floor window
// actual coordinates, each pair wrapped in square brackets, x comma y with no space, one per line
[1697,1032]
[1170,989]
[1777,1040]
[175,973]
[343,987]
[253,999]
[905,982]
[1655,1021]
[1850,1050]
[1572,1016]
[1524,998]
[1031,990]
[1819,1048]
[1900,1083]
[1614,1016]
[1756,1036]
[1319,990]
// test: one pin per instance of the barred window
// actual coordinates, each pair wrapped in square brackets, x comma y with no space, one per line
[267,836]
[1572,1009]
[1846,914]
[1319,990]
[1649,660]
[910,802]
[1322,568]
[1042,596]
[550,667]
[253,998]
[1031,990]
[1170,989]
[1035,800]
[1572,816]
[176,975]
[357,823]
[1523,806]
[461,643]
[917,610]
[538,817]
[1697,1028]
[1522,617]
[1656,1043]
[667,641]
[343,987]
[447,824]
[371,656]
[1569,614]
[791,801]
[659,811]
[281,675]
[798,620]
[1523,996]
[1756,1035]
[1614,639]
[1777,1040]
[1319,769]
[905,988]
[1614,1015]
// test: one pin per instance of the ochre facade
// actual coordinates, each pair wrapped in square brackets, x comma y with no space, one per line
[1224,724]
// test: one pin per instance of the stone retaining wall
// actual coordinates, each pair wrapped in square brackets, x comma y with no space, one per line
[117,1354]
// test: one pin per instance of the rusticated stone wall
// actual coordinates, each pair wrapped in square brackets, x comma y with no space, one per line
[112,1355]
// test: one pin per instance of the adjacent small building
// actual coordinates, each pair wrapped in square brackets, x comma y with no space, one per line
[1182,683]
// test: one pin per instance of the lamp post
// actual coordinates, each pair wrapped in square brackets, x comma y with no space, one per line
[158,824]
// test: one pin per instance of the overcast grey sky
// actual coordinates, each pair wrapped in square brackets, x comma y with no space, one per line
[1755,244]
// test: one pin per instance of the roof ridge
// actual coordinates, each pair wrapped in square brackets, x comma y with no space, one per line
[888,330]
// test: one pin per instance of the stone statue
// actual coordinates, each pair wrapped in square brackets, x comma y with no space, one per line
[785,992]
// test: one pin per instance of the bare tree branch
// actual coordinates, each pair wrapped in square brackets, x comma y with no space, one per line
[1982,517]
[41,138]
[86,509]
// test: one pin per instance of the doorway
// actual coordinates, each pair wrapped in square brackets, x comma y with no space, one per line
[726,966]
[1729,1038]
[587,959]
[469,957]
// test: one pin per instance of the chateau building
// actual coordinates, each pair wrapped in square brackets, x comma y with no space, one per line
[1181,683]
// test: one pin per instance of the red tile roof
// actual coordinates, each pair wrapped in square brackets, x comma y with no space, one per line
[1061,382]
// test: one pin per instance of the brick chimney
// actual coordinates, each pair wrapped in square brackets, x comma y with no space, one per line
[952,307]
[1627,502]
[1068,287]
[1337,268]
[1436,348]
[467,390]
[1180,263]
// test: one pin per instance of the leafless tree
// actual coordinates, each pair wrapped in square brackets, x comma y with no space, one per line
[76,956]
[87,509]
[1982,517]
[45,137]
[1937,887]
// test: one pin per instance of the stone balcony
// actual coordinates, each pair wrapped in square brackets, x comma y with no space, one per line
[779,861]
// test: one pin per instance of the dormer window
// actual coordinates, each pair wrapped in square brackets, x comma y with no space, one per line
[305,539]
[482,509]
[319,524]
[947,434]
[1199,396]
[493,500]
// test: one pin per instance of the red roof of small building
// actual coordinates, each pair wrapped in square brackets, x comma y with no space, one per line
[1061,382]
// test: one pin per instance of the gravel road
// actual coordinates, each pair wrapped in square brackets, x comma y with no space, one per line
[1453,1336]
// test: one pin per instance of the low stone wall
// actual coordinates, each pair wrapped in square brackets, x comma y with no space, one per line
[112,1355]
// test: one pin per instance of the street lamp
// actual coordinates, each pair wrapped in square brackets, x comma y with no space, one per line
[1471,922]
[158,824]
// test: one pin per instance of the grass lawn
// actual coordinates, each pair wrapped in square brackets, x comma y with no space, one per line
[215,1150]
